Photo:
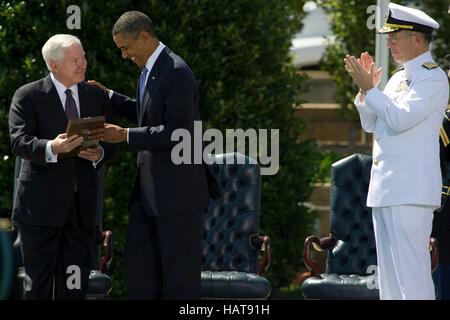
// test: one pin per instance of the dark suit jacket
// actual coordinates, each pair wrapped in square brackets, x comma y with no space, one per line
[170,99]
[45,190]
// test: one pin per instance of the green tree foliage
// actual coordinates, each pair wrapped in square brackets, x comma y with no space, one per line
[238,50]
[349,24]
[438,9]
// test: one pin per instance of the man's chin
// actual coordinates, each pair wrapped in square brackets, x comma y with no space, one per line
[395,58]
[136,62]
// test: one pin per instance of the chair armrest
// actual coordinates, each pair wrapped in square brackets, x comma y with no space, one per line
[106,241]
[319,245]
[434,250]
[262,244]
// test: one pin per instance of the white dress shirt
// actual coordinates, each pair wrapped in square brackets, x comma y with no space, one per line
[50,157]
[149,65]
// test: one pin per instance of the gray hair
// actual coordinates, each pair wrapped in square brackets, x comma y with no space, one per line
[53,48]
[132,23]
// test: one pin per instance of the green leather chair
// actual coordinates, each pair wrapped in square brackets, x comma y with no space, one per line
[235,256]
[350,248]
[7,266]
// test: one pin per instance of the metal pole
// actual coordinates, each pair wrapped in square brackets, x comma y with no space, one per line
[381,51]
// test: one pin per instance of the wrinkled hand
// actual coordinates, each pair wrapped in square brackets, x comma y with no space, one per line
[366,60]
[364,79]
[98,84]
[109,133]
[91,154]
[62,144]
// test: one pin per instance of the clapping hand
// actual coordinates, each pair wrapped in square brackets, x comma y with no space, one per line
[366,60]
[363,71]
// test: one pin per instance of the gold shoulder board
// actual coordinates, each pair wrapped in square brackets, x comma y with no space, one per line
[429,65]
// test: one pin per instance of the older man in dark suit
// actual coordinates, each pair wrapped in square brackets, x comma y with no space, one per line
[163,251]
[55,205]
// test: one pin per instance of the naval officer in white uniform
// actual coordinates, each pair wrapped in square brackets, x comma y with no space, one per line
[405,182]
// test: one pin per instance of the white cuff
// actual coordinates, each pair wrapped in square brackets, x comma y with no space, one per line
[95,163]
[358,102]
[110,93]
[371,91]
[50,157]
[157,129]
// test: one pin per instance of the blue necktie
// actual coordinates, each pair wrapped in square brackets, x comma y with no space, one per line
[142,84]
[70,106]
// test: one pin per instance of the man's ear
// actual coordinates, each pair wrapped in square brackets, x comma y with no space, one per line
[144,36]
[54,66]
[420,38]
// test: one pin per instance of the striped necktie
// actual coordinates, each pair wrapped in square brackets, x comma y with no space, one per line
[70,107]
[142,84]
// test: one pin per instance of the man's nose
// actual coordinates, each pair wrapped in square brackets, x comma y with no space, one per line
[124,55]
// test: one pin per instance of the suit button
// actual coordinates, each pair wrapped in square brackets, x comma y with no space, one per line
[376,161]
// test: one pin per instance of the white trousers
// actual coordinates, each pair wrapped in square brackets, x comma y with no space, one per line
[402,235]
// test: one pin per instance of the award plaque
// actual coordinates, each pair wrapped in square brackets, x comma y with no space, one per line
[81,127]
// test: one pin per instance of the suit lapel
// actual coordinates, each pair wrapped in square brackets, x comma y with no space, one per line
[151,81]
[53,102]
[145,107]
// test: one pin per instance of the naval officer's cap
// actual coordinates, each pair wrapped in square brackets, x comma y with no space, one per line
[404,18]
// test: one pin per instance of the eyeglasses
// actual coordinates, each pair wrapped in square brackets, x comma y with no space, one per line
[395,39]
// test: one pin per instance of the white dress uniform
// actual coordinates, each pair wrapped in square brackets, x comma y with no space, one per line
[405,183]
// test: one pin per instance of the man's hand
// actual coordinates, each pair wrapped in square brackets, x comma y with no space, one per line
[109,133]
[62,144]
[366,60]
[91,154]
[364,79]
[98,84]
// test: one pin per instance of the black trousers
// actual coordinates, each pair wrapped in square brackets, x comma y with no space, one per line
[163,254]
[57,260]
